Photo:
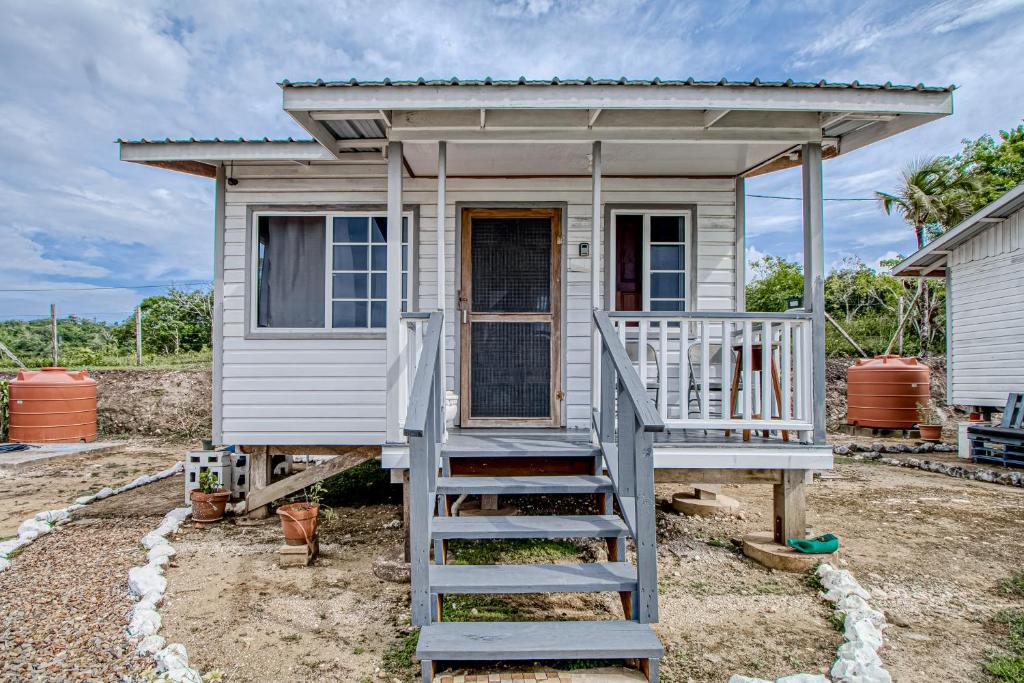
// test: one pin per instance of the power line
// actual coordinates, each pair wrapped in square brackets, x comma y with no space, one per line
[92,289]
[827,199]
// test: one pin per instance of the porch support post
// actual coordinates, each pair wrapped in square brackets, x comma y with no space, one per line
[595,274]
[741,244]
[814,279]
[442,295]
[395,357]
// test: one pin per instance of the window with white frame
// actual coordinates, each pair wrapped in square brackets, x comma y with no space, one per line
[649,260]
[324,271]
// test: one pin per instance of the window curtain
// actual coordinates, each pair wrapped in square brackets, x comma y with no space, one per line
[291,274]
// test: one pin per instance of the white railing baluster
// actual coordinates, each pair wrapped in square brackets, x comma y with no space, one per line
[785,367]
[684,370]
[766,370]
[805,374]
[705,371]
[663,369]
[748,359]
[641,351]
[726,402]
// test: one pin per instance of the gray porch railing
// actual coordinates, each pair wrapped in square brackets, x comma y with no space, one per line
[424,427]
[625,426]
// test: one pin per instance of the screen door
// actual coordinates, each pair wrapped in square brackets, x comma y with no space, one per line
[509,308]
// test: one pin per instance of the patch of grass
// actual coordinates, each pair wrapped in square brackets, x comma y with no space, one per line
[1013,585]
[399,657]
[364,484]
[292,638]
[17,551]
[512,551]
[838,621]
[1009,667]
[358,651]
[812,579]
[724,544]
[488,608]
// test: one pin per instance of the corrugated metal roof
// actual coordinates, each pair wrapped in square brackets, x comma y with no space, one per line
[523,81]
[931,258]
[183,141]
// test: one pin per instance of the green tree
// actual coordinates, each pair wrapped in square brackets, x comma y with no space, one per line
[775,280]
[933,194]
[996,166]
[172,323]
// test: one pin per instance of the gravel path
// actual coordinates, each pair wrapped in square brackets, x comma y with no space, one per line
[64,603]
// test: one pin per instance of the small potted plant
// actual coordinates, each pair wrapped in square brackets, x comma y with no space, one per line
[299,519]
[210,499]
[929,422]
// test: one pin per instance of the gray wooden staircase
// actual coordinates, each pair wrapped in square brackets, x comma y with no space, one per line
[622,481]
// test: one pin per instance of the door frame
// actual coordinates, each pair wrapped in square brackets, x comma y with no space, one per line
[464,294]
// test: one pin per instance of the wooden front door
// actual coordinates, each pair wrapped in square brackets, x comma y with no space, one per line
[510,329]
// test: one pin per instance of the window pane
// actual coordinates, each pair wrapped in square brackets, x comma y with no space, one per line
[379,286]
[667,229]
[378,314]
[405,257]
[290,271]
[666,257]
[405,285]
[350,258]
[349,314]
[380,229]
[666,285]
[349,286]
[380,258]
[350,229]
[668,305]
[405,229]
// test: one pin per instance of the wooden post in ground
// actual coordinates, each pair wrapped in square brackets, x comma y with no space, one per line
[790,507]
[138,335]
[260,475]
[53,334]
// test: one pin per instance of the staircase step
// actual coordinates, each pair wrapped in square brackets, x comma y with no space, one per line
[514,446]
[594,577]
[496,640]
[560,484]
[568,526]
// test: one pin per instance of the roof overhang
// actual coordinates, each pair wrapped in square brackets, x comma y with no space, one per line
[756,127]
[932,259]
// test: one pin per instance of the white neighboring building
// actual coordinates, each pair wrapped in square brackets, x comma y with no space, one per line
[982,260]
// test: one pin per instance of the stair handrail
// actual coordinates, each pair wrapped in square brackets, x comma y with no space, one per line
[424,427]
[629,417]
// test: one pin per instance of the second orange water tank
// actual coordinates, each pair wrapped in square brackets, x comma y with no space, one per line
[884,391]
[52,405]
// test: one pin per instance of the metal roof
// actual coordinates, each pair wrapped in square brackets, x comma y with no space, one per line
[523,81]
[931,260]
[180,141]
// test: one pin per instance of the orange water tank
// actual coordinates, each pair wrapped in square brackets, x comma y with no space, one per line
[52,405]
[884,391]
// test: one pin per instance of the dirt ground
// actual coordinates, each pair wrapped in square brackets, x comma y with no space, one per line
[930,548]
[55,483]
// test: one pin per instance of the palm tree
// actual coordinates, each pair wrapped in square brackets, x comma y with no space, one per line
[934,195]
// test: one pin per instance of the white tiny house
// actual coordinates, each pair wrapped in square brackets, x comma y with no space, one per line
[982,260]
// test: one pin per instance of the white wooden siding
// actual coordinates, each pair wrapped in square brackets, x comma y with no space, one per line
[332,391]
[986,351]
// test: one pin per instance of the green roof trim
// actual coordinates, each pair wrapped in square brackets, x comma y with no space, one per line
[556,81]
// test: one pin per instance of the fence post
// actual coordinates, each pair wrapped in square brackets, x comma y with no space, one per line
[646,526]
[138,335]
[53,334]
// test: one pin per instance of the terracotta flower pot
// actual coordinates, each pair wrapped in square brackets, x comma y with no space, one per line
[930,432]
[209,507]
[298,521]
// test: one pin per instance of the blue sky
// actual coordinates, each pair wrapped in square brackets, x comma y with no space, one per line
[77,75]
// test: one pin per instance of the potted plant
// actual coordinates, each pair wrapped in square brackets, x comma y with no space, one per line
[210,499]
[299,519]
[929,422]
